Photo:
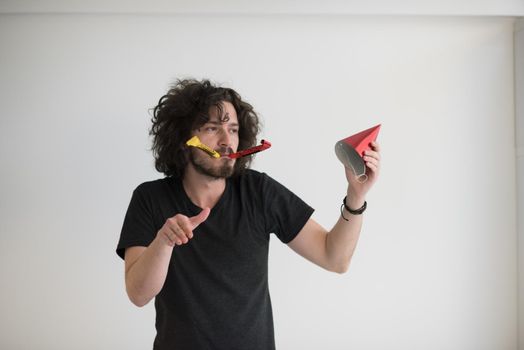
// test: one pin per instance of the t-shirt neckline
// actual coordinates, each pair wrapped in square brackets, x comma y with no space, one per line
[192,206]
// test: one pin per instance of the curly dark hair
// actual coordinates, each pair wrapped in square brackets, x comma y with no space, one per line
[184,109]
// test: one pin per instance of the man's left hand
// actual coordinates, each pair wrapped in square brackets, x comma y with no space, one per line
[357,191]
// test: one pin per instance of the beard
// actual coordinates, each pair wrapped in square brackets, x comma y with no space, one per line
[214,168]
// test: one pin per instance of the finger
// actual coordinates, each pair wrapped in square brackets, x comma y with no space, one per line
[371,160]
[169,237]
[200,218]
[170,234]
[372,167]
[180,234]
[176,233]
[373,154]
[186,227]
[375,146]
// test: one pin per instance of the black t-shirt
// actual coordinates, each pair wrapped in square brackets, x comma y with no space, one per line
[216,292]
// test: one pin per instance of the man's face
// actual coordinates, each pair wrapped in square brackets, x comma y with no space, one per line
[221,134]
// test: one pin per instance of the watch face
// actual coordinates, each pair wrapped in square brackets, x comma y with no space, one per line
[351,160]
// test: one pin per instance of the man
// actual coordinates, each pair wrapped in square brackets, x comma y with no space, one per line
[197,240]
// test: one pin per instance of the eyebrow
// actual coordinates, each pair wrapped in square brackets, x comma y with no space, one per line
[220,123]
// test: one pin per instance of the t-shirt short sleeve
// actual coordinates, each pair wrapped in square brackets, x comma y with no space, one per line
[285,213]
[138,227]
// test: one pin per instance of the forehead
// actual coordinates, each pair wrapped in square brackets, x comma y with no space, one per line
[228,115]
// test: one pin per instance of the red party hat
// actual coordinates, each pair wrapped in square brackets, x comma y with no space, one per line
[351,150]
[360,142]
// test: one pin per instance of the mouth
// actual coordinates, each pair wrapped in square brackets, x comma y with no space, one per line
[225,153]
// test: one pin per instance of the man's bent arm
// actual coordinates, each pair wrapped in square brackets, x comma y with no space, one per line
[333,250]
[146,270]
[330,250]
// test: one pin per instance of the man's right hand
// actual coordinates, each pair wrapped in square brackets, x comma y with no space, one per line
[178,229]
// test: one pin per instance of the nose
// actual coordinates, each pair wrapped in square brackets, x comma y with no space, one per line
[224,139]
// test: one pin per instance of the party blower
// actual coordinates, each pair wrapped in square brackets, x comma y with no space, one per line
[195,142]
[351,150]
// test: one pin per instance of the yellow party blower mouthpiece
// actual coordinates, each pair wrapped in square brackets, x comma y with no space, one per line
[195,142]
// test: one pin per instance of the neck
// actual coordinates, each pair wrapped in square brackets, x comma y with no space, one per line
[204,191]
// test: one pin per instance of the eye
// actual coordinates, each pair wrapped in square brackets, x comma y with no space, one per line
[211,129]
[233,131]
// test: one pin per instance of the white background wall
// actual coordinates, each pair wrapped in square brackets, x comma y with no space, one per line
[436,267]
[519,124]
[373,7]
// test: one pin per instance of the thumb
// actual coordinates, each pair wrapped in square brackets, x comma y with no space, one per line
[200,218]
